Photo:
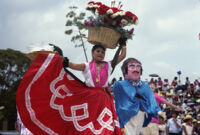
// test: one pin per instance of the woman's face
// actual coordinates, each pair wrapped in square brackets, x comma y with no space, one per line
[98,54]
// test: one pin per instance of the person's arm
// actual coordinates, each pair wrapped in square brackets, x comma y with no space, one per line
[122,45]
[79,67]
[167,130]
[177,124]
[173,106]
[122,55]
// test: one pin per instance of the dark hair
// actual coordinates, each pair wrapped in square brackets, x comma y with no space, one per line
[98,46]
[124,66]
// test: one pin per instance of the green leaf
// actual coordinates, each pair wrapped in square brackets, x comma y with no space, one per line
[71,14]
[68,23]
[68,32]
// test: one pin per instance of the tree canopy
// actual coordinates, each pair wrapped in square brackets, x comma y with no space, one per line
[13,65]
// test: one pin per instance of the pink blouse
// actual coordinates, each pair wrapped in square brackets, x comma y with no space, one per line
[97,76]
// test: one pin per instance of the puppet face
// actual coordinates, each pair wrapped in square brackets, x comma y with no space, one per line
[134,71]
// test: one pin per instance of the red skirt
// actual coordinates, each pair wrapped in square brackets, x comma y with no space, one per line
[52,101]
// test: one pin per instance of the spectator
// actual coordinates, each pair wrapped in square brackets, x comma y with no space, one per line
[187,82]
[174,82]
[162,123]
[160,82]
[174,126]
[187,125]
[165,85]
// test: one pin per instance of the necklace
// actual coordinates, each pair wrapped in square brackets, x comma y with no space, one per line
[97,74]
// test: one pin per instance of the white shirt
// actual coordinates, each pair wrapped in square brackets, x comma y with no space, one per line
[172,126]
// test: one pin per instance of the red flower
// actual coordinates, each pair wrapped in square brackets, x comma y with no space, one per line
[102,9]
[114,9]
[91,2]
[135,18]
[129,15]
[98,3]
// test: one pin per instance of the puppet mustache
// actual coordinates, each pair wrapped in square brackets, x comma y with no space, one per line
[135,72]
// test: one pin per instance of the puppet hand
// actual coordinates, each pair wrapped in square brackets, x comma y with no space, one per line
[65,62]
[57,49]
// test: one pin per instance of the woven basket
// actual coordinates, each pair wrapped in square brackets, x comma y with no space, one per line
[105,36]
[33,55]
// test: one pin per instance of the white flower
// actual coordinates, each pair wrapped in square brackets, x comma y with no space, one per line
[96,6]
[136,22]
[129,24]
[110,11]
[122,13]
[124,22]
[114,15]
[90,6]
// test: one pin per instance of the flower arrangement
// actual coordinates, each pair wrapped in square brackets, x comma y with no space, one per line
[111,17]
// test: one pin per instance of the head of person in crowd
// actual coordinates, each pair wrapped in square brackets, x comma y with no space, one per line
[120,78]
[188,119]
[132,69]
[113,80]
[165,83]
[162,117]
[174,114]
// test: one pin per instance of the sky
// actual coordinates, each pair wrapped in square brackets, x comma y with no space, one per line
[166,39]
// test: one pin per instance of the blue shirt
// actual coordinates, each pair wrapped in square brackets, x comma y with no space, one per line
[127,104]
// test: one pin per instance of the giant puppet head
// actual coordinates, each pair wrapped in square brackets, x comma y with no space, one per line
[132,69]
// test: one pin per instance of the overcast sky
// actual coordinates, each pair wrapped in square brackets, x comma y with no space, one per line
[166,39]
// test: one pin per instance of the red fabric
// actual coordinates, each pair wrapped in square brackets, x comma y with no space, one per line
[46,107]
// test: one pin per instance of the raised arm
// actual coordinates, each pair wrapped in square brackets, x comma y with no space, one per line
[117,59]
[79,67]
[122,55]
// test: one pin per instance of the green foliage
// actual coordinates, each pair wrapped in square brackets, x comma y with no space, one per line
[75,21]
[13,65]
[68,32]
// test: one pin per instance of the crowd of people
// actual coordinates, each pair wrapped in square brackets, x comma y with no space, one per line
[180,102]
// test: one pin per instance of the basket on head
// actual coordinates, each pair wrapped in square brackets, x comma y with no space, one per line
[105,36]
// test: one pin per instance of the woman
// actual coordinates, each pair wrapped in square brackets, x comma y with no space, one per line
[57,103]
[96,72]
[188,128]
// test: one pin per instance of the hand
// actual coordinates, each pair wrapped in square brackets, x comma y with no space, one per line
[65,62]
[122,41]
[57,49]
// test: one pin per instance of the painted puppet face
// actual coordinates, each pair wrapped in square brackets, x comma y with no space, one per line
[98,54]
[134,71]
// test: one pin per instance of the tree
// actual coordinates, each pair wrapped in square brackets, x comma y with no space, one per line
[13,65]
[76,20]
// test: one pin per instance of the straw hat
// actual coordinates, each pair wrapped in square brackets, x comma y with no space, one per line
[169,94]
[194,121]
[187,117]
[163,115]
[190,113]
[189,109]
